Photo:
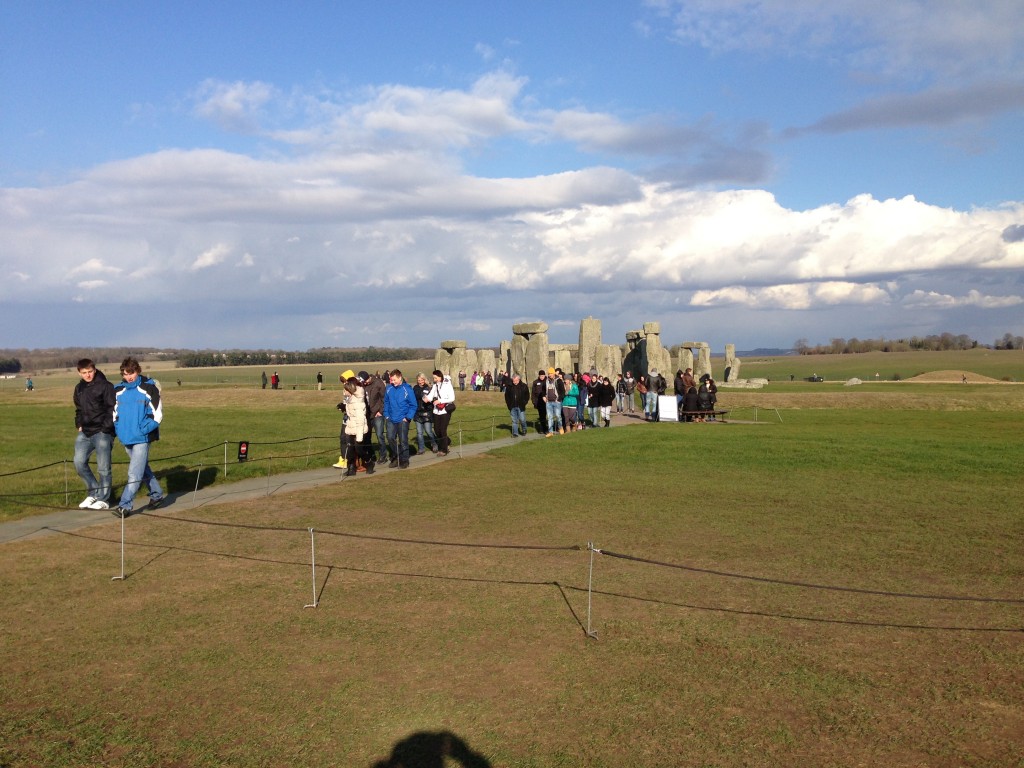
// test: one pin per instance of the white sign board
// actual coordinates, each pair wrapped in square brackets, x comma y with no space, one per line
[667,408]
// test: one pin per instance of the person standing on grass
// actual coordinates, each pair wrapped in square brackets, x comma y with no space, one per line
[94,419]
[354,428]
[374,387]
[570,401]
[399,411]
[630,383]
[137,416]
[554,391]
[424,416]
[319,381]
[263,380]
[517,397]
[540,384]
[442,395]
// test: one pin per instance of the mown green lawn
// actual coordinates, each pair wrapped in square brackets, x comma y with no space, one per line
[839,587]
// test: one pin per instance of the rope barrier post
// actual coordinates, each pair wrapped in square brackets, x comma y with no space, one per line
[225,458]
[199,473]
[590,588]
[312,559]
[270,461]
[492,429]
[307,451]
[67,490]
[121,577]
[460,441]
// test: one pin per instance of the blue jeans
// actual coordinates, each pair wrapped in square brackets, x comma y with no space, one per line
[651,404]
[398,440]
[518,420]
[620,402]
[84,447]
[378,428]
[425,429]
[139,472]
[554,416]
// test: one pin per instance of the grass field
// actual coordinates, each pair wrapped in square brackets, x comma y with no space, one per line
[838,586]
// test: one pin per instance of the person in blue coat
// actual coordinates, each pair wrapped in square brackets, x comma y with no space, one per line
[137,416]
[399,410]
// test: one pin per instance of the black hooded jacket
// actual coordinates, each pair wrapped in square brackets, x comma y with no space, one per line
[94,405]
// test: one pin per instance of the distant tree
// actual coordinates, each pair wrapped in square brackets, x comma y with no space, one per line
[10,365]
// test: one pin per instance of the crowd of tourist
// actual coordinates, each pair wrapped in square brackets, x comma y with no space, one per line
[564,402]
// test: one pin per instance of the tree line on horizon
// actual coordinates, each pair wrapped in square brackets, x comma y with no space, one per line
[942,342]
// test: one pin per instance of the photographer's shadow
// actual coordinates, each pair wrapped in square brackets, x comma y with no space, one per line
[439,749]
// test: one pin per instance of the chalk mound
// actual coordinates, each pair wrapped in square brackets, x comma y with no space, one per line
[954,377]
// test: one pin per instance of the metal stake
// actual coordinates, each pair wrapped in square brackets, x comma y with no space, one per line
[121,577]
[590,588]
[312,553]
[199,472]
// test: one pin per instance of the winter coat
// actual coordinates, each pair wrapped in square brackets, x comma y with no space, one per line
[137,411]
[94,406]
[355,413]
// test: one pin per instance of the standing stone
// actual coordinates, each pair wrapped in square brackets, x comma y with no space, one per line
[486,360]
[517,353]
[732,363]
[590,340]
[505,357]
[703,361]
[657,356]
[608,360]
[563,359]
[443,361]
[685,359]
[632,359]
[443,356]
[535,355]
[462,360]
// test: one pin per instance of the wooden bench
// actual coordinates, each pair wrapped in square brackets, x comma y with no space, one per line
[716,414]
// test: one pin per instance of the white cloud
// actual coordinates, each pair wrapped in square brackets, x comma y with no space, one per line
[974,298]
[211,257]
[793,296]
[92,267]
[234,106]
[912,37]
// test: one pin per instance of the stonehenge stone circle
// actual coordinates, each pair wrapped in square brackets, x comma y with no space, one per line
[529,350]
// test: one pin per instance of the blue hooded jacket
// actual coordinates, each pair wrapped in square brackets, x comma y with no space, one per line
[137,411]
[399,403]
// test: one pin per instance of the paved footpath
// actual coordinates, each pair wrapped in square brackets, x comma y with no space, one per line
[251,488]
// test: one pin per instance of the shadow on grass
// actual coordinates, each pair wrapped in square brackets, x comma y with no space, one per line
[182,479]
[427,749]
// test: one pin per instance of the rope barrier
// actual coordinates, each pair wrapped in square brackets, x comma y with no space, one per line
[808,585]
[369,537]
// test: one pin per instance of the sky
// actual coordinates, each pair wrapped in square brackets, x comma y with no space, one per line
[268,175]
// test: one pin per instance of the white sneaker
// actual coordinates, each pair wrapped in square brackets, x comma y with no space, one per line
[97,504]
[87,503]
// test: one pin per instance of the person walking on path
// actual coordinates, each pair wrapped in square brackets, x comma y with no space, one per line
[442,395]
[94,419]
[424,416]
[137,416]
[399,411]
[517,397]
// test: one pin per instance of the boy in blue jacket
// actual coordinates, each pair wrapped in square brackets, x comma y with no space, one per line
[399,409]
[137,416]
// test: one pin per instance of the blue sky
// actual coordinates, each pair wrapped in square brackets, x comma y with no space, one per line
[300,175]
